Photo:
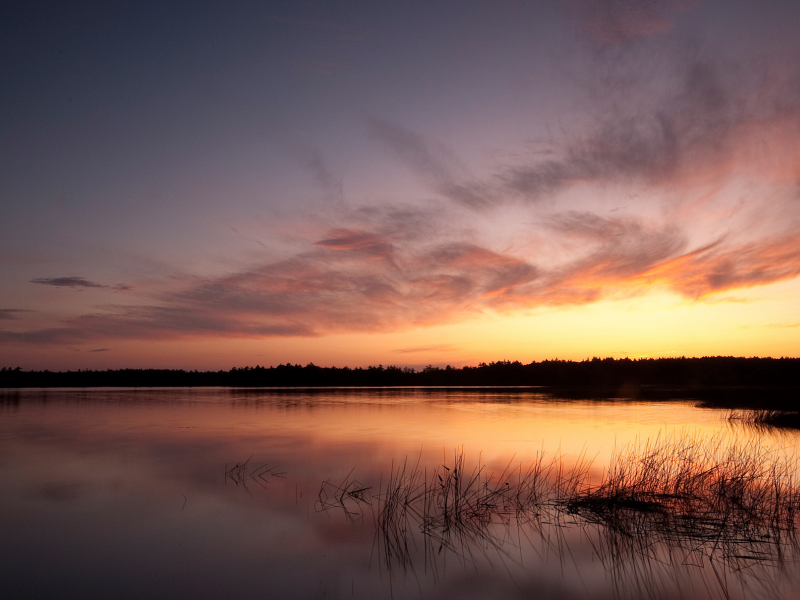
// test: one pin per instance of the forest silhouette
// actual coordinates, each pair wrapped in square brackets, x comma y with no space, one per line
[729,381]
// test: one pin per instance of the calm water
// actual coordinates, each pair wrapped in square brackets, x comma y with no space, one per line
[143,493]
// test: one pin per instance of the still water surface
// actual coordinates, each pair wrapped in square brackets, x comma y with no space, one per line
[209,493]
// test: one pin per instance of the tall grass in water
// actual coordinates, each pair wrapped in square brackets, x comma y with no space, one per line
[240,472]
[683,489]
[660,509]
[724,501]
[768,419]
[458,504]
[670,505]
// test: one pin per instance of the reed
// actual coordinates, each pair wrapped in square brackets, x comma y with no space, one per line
[241,471]
[777,419]
[732,501]
[348,496]
[701,491]
[661,509]
[456,504]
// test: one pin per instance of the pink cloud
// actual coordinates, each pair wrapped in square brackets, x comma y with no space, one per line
[401,267]
[612,22]
[342,284]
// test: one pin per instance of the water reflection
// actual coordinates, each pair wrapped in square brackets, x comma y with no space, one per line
[663,510]
[200,493]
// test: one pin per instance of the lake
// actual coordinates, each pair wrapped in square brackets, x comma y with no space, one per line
[386,493]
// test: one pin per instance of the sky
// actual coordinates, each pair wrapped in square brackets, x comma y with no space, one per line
[217,184]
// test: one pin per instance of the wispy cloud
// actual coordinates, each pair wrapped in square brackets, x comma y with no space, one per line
[433,163]
[666,147]
[8,314]
[783,325]
[73,282]
[431,348]
[322,176]
[612,22]
[77,282]
[383,276]
[692,121]
[718,267]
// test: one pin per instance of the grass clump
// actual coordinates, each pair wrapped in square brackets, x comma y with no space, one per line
[706,498]
[661,507]
[721,497]
[768,419]
[240,472]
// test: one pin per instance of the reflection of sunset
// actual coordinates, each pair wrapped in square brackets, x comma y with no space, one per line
[745,322]
[139,482]
[400,424]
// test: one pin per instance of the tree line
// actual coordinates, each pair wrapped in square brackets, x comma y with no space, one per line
[606,373]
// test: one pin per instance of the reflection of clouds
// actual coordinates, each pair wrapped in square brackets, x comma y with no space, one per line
[57,491]
[143,453]
[730,534]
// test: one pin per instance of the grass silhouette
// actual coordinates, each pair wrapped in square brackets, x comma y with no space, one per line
[702,500]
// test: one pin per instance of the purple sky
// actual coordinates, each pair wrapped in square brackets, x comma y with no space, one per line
[206,185]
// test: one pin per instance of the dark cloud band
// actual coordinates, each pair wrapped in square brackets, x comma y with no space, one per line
[77,282]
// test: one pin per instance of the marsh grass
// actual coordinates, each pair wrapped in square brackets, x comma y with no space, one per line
[735,502]
[349,496]
[456,505]
[768,419]
[669,499]
[241,472]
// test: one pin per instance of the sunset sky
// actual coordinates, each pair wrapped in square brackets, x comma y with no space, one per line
[217,184]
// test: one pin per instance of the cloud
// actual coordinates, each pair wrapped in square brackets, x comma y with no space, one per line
[150,323]
[703,158]
[685,121]
[389,272]
[383,274]
[431,348]
[399,267]
[706,128]
[321,175]
[77,282]
[364,281]
[433,163]
[615,253]
[716,267]
[783,325]
[707,153]
[365,243]
[101,350]
[613,22]
[72,282]
[7,314]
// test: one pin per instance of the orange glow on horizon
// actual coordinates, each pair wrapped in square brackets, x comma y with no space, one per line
[760,321]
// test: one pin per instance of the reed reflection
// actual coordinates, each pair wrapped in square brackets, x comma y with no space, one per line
[299,492]
[670,515]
